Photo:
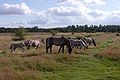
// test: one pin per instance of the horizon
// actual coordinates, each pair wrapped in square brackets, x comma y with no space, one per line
[58,13]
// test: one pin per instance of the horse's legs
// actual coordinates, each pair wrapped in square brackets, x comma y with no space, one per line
[62,49]
[14,49]
[84,48]
[89,43]
[69,50]
[47,49]
[51,49]
[59,49]
[11,50]
[28,47]
[37,46]
[23,49]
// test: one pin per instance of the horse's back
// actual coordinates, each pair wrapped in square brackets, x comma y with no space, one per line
[58,41]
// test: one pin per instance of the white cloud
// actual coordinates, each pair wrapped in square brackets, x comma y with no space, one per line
[77,2]
[97,2]
[97,14]
[67,12]
[14,9]
[63,14]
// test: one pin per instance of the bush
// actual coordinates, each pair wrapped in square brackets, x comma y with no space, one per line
[73,33]
[20,34]
[53,32]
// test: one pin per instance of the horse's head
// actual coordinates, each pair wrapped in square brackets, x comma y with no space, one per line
[93,40]
[69,46]
[42,40]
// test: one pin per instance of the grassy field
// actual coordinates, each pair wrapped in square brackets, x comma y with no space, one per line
[96,63]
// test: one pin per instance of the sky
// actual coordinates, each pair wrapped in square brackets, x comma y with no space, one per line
[58,13]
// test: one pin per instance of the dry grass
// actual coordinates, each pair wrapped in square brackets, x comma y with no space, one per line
[31,64]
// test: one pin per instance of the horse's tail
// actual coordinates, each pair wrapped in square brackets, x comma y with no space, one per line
[49,41]
[93,40]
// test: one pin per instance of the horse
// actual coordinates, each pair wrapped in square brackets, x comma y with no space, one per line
[33,43]
[14,46]
[82,40]
[61,41]
[88,40]
[77,44]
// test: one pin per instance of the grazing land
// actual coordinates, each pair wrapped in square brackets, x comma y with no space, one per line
[101,62]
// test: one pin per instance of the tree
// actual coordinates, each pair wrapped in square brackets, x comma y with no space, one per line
[53,32]
[20,33]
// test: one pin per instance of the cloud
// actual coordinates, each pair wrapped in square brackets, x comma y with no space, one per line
[63,14]
[97,2]
[67,11]
[98,14]
[39,21]
[14,9]
[87,2]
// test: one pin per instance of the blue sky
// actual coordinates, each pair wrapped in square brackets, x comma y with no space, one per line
[58,13]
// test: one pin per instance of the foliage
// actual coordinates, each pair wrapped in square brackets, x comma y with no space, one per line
[53,32]
[70,28]
[20,33]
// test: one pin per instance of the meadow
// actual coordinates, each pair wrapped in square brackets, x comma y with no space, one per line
[101,62]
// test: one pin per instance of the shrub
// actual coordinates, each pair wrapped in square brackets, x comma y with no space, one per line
[53,32]
[19,34]
[73,32]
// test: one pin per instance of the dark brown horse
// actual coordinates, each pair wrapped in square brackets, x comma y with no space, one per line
[20,45]
[50,41]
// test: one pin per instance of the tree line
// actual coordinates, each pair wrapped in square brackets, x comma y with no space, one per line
[70,28]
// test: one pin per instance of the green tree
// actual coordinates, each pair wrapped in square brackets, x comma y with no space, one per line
[53,32]
[20,33]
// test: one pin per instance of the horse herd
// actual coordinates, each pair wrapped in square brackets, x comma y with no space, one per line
[70,43]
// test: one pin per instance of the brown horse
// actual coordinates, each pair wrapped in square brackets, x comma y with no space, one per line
[88,40]
[61,41]
[20,45]
[33,43]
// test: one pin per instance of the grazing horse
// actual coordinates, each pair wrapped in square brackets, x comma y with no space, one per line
[88,41]
[82,40]
[50,41]
[77,43]
[14,46]
[33,43]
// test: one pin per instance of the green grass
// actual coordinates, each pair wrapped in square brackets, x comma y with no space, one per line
[81,65]
[86,68]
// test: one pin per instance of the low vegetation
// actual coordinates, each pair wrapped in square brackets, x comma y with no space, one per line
[19,34]
[96,63]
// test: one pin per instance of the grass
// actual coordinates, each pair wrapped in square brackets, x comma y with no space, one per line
[96,63]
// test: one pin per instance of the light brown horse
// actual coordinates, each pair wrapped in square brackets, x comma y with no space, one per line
[88,40]
[33,43]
